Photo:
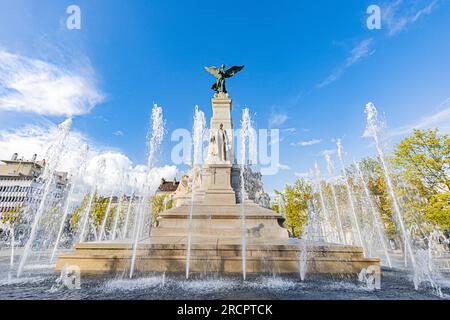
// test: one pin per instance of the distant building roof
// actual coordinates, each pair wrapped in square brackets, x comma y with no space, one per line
[21,167]
[16,177]
[168,186]
[25,162]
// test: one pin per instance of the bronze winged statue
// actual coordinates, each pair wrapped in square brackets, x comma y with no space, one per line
[222,74]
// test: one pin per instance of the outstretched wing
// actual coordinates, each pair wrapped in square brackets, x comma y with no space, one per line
[214,71]
[232,71]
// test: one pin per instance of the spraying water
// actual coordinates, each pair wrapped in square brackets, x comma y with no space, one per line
[119,207]
[127,216]
[330,167]
[87,212]
[198,132]
[326,215]
[81,169]
[86,215]
[154,144]
[375,217]
[350,195]
[282,206]
[372,131]
[105,218]
[246,127]
[305,239]
[48,176]
[11,262]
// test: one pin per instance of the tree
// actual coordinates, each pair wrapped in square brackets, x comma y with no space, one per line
[423,165]
[296,198]
[97,212]
[157,204]
[425,160]
[77,214]
[376,181]
[13,217]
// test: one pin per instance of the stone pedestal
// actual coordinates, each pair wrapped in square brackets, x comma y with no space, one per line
[216,185]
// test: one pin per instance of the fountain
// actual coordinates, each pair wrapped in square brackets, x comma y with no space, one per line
[350,197]
[329,229]
[220,222]
[154,143]
[422,270]
[197,142]
[119,206]
[303,252]
[124,230]
[105,218]
[48,177]
[372,131]
[246,131]
[375,216]
[215,222]
[330,167]
[76,177]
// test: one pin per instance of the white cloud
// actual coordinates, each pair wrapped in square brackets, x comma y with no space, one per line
[119,172]
[359,52]
[283,167]
[277,120]
[34,139]
[119,133]
[306,143]
[290,130]
[439,119]
[302,174]
[36,86]
[328,152]
[399,15]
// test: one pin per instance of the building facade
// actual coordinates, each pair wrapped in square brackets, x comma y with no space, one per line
[21,183]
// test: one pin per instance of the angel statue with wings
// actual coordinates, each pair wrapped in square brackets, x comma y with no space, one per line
[222,74]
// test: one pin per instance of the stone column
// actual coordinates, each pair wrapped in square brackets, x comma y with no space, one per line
[216,176]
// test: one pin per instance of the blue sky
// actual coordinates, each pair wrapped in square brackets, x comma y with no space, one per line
[311,66]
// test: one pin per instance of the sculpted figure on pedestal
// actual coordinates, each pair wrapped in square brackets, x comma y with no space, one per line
[219,146]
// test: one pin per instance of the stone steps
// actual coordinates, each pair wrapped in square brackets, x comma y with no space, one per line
[206,251]
[100,264]
[201,231]
[221,210]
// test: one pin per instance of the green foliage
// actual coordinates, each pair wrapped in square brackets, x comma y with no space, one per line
[373,174]
[157,205]
[79,211]
[296,198]
[438,210]
[420,172]
[275,207]
[97,212]
[13,217]
[423,167]
[425,161]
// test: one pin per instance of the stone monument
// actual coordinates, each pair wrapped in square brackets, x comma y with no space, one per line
[216,222]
